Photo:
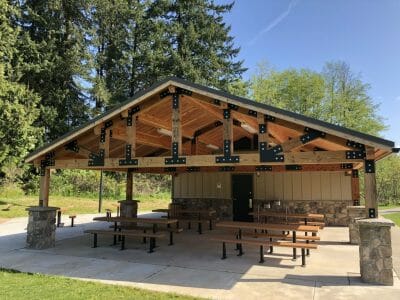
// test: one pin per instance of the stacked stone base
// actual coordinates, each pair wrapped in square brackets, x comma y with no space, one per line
[41,229]
[335,211]
[223,207]
[355,213]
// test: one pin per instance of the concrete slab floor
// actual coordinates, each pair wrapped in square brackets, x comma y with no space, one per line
[193,266]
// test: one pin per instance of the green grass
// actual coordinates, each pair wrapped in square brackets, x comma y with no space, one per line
[395,217]
[14,204]
[16,285]
[389,206]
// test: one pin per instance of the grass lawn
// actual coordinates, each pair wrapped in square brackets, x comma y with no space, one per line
[388,206]
[16,285]
[395,217]
[14,205]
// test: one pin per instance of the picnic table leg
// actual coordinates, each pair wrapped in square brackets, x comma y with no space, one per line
[210,225]
[200,227]
[123,242]
[95,240]
[119,237]
[114,239]
[303,257]
[154,231]
[306,233]
[271,248]
[144,238]
[171,236]
[152,244]
[240,249]
[261,254]
[189,225]
[58,218]
[294,249]
[223,250]
[239,237]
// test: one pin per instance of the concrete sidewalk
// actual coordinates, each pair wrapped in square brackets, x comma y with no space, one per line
[193,266]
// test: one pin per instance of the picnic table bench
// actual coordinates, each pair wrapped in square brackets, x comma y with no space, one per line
[201,215]
[240,226]
[123,234]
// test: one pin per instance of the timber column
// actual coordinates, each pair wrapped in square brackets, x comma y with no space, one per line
[41,229]
[371,203]
[128,207]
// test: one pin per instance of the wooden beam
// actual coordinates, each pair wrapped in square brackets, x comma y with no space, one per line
[157,123]
[227,124]
[105,142]
[250,159]
[176,124]
[44,188]
[131,134]
[355,187]
[129,184]
[371,202]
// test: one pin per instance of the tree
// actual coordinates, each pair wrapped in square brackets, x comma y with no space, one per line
[53,39]
[18,105]
[300,91]
[347,102]
[198,45]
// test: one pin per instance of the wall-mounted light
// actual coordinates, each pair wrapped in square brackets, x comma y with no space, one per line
[248,128]
[164,131]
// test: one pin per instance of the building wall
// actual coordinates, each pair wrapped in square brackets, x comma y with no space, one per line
[315,192]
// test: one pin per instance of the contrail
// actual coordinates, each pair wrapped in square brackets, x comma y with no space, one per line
[275,22]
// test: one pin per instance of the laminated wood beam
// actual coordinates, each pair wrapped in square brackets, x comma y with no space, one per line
[44,188]
[250,159]
[371,202]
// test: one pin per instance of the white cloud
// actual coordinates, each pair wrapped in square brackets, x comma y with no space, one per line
[275,22]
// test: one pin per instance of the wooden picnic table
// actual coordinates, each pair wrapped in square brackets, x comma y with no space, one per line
[154,221]
[198,212]
[266,226]
[288,215]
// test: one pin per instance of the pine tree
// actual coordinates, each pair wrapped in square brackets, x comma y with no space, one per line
[200,48]
[18,104]
[54,42]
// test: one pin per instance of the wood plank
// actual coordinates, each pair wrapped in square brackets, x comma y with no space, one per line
[316,193]
[306,186]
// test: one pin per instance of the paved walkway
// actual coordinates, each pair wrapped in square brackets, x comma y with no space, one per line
[193,265]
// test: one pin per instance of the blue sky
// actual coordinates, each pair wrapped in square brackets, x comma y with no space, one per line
[307,33]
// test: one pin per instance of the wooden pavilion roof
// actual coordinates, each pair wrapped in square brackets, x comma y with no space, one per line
[150,123]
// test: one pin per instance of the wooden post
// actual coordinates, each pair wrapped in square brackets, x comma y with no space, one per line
[44,188]
[227,123]
[263,129]
[129,185]
[193,145]
[105,142]
[371,203]
[131,135]
[355,187]
[176,125]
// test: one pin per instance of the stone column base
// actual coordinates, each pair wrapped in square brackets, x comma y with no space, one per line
[355,213]
[41,230]
[128,209]
[376,264]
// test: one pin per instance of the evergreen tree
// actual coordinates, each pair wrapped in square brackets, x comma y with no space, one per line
[53,40]
[196,42]
[18,104]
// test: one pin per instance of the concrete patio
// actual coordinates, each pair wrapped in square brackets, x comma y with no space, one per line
[193,266]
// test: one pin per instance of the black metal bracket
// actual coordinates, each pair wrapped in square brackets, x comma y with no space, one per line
[263,168]
[96,159]
[193,169]
[369,165]
[175,159]
[103,135]
[227,113]
[217,102]
[262,128]
[346,166]
[233,106]
[227,158]
[72,146]
[48,161]
[354,154]
[293,167]
[355,145]
[252,113]
[227,169]
[177,91]
[270,155]
[269,118]
[170,169]
[128,157]
[311,134]
[175,100]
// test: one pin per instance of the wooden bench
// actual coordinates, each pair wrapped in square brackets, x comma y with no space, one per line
[72,217]
[123,234]
[199,223]
[146,228]
[321,225]
[261,244]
